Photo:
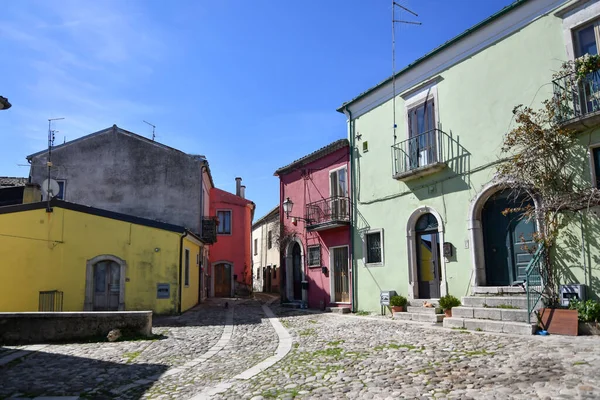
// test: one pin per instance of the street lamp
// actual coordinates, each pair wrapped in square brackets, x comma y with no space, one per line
[287,207]
[4,103]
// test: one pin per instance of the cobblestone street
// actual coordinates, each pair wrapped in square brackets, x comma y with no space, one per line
[207,352]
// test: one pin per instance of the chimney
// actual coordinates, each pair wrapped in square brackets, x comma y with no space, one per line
[238,184]
[31,193]
[243,191]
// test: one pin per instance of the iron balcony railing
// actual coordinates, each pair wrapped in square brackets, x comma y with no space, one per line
[419,151]
[51,300]
[209,229]
[574,97]
[331,210]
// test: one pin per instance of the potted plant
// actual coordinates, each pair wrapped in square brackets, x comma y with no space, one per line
[398,303]
[447,302]
[588,313]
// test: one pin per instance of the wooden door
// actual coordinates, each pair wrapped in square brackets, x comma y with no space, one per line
[107,286]
[222,276]
[338,193]
[341,286]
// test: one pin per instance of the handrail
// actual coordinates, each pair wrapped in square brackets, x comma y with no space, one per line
[331,209]
[575,97]
[536,279]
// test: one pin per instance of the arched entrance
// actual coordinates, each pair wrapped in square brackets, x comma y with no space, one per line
[105,283]
[428,257]
[424,237]
[499,244]
[294,270]
[507,240]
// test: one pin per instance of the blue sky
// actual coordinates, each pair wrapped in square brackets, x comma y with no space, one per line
[253,85]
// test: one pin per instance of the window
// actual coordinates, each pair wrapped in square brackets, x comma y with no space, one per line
[61,190]
[255,246]
[274,271]
[314,256]
[187,268]
[596,164]
[374,247]
[224,218]
[270,239]
[585,40]
[422,135]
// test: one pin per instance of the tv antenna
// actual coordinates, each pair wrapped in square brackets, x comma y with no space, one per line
[48,182]
[394,22]
[153,128]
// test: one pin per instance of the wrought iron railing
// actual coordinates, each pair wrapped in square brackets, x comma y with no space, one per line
[419,151]
[536,279]
[209,229]
[51,300]
[329,210]
[575,97]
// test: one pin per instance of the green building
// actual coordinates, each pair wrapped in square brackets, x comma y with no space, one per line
[427,205]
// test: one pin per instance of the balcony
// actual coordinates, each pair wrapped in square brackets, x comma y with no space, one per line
[209,230]
[577,101]
[328,213]
[420,155]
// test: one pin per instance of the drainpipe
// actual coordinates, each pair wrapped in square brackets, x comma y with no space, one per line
[348,114]
[583,256]
[282,265]
[181,269]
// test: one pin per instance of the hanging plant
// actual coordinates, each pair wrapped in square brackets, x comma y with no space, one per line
[581,67]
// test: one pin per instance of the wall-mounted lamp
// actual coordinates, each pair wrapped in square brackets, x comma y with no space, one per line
[157,249]
[288,205]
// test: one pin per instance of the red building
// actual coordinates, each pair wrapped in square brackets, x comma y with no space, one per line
[315,216]
[231,257]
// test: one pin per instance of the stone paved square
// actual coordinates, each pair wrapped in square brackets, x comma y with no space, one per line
[199,354]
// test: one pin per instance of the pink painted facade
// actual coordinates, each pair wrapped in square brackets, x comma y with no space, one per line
[317,231]
[231,257]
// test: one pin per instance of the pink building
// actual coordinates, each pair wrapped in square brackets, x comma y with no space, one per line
[315,216]
[231,257]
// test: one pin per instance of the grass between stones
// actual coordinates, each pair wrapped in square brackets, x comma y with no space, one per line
[308,332]
[362,313]
[279,393]
[131,356]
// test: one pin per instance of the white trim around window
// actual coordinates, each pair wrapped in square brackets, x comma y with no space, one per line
[416,98]
[331,171]
[230,220]
[576,18]
[374,264]
[308,258]
[593,164]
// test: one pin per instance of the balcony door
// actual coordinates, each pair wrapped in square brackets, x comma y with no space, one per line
[587,41]
[338,190]
[421,133]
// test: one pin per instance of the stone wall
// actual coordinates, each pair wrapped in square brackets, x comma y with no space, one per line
[44,327]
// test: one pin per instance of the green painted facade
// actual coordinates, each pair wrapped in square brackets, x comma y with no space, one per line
[474,99]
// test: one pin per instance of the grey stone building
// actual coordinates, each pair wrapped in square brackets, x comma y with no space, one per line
[120,171]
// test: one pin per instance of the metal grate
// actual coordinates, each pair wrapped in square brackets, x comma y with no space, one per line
[575,97]
[419,151]
[51,300]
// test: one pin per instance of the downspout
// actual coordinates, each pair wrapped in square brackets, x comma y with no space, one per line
[348,114]
[282,266]
[583,256]
[181,269]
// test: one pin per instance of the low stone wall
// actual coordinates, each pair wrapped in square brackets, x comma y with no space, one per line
[45,327]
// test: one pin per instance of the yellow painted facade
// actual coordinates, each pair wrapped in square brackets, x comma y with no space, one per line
[41,251]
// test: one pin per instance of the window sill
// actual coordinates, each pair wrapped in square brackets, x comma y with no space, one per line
[224,234]
[370,265]
[314,266]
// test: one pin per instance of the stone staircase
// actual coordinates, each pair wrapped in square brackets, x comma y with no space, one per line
[419,313]
[504,314]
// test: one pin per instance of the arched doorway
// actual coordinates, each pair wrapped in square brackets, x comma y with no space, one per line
[105,283]
[507,239]
[428,257]
[297,271]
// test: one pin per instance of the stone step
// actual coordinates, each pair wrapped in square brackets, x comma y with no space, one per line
[419,317]
[420,302]
[495,301]
[424,310]
[519,328]
[339,310]
[498,314]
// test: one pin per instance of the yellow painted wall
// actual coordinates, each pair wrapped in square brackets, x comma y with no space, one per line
[48,251]
[190,292]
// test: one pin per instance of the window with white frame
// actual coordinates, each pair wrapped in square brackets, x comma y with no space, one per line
[255,246]
[314,256]
[595,153]
[374,247]
[187,268]
[585,39]
[224,217]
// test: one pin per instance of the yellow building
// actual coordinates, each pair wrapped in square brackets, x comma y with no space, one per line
[99,260]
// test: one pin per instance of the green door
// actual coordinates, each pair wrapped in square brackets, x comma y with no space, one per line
[507,240]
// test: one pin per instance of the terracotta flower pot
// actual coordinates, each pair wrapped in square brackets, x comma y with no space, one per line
[448,312]
[397,308]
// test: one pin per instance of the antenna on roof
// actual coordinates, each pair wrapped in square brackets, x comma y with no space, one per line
[153,128]
[394,22]
[49,160]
